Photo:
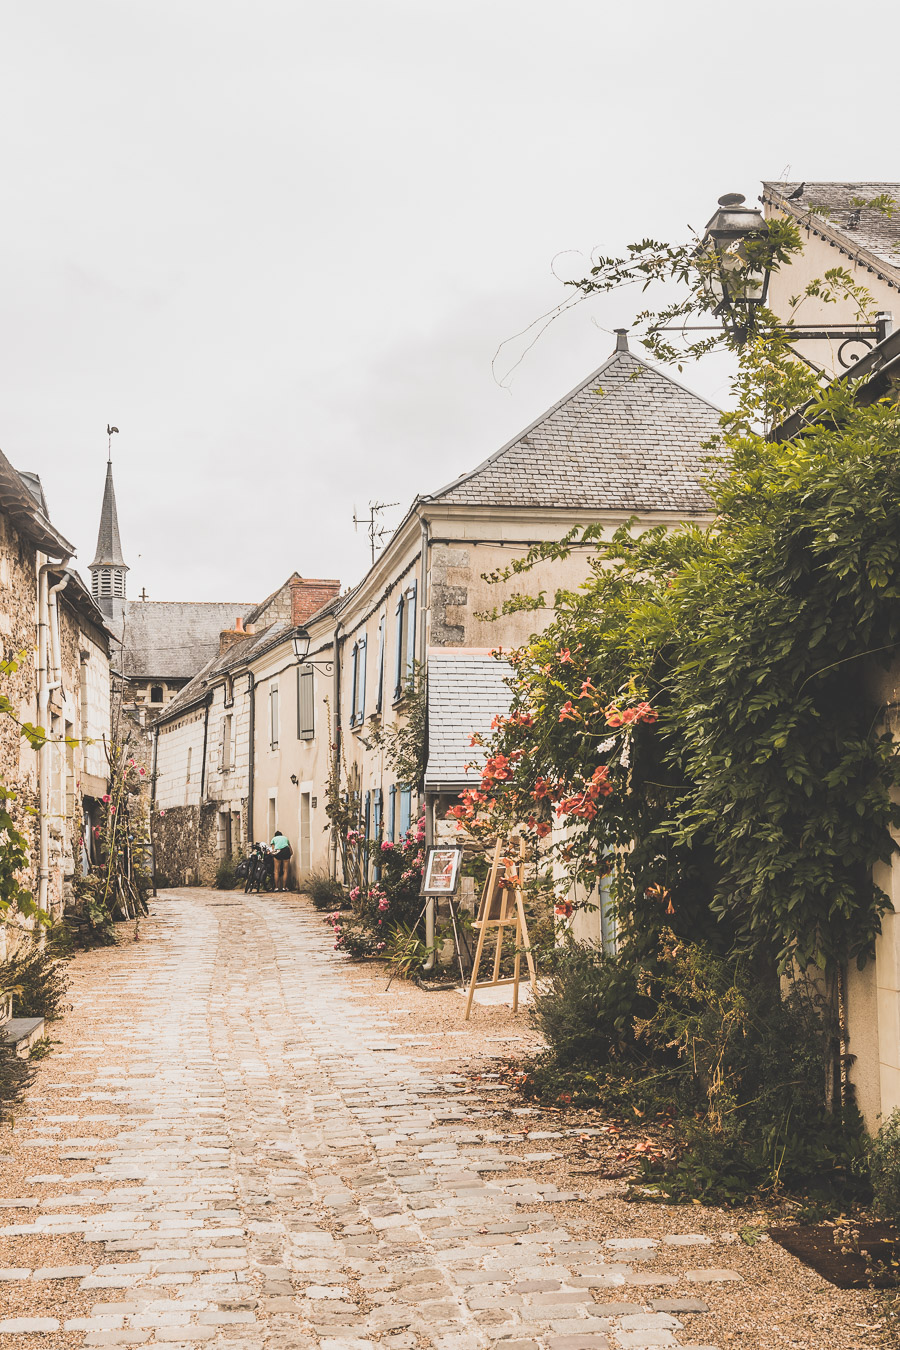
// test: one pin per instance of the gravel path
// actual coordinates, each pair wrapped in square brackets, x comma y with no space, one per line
[243,1140]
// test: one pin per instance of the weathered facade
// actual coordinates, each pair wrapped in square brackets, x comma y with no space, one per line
[226,749]
[55,635]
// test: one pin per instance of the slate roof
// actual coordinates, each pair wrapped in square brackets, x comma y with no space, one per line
[627,439]
[863,232]
[466,691]
[109,545]
[20,501]
[172,639]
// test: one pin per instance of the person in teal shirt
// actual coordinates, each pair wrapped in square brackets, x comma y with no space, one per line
[282,852]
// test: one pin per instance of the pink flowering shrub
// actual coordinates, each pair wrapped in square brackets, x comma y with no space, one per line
[392,897]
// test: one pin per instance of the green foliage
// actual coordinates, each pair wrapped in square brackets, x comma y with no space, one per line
[585,1007]
[91,907]
[355,937]
[324,891]
[16,1076]
[757,798]
[883,1158]
[39,979]
[226,877]
[406,953]
[404,741]
[710,1042]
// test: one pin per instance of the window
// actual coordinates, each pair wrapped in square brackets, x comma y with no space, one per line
[273,716]
[392,812]
[229,690]
[306,720]
[156,693]
[272,817]
[405,810]
[358,691]
[379,675]
[187,780]
[227,744]
[405,641]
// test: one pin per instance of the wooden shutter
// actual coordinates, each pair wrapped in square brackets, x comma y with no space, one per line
[410,631]
[392,811]
[398,648]
[361,683]
[306,720]
[379,676]
[354,663]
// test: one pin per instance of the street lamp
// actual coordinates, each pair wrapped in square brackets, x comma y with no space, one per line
[300,644]
[732,260]
[735,263]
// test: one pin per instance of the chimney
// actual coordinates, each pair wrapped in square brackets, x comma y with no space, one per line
[308,596]
[621,339]
[230,636]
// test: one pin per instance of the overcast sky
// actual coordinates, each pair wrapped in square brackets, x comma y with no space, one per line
[279,243]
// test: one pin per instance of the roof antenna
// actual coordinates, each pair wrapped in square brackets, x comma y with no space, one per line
[621,339]
[111,431]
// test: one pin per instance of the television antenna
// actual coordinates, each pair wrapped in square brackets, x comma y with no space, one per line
[374,529]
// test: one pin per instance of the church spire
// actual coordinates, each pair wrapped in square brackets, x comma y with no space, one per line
[108,568]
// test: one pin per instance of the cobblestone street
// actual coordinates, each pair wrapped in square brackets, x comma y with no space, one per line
[238,1143]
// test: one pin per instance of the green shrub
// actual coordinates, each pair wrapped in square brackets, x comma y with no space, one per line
[353,936]
[39,978]
[884,1168]
[585,1006]
[324,891]
[710,1041]
[16,1076]
[226,877]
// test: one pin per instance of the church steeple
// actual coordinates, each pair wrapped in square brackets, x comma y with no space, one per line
[108,568]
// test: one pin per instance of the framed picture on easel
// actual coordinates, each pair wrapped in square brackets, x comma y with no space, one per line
[440,875]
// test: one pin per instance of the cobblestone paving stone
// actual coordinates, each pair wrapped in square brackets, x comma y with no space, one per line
[273,1169]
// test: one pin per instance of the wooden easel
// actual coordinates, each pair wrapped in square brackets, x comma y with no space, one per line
[502,906]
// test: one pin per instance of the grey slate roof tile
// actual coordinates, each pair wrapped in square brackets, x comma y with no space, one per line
[861,230]
[466,691]
[172,638]
[629,438]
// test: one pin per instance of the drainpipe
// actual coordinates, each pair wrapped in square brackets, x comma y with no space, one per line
[251,753]
[423,649]
[48,679]
[153,801]
[337,642]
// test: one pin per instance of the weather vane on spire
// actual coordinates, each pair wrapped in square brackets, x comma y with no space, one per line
[111,431]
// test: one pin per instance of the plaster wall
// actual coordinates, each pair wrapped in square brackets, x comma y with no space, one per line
[873,994]
[819,256]
[179,759]
[306,760]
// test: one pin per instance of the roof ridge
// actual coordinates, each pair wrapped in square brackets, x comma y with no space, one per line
[619,355]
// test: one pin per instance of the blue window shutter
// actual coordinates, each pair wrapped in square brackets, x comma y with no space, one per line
[410,631]
[379,677]
[361,705]
[398,648]
[354,666]
[405,810]
[392,812]
[377,799]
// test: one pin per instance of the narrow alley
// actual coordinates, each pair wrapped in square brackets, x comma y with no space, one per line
[240,1140]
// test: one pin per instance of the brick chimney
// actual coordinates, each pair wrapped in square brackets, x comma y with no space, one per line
[232,635]
[308,596]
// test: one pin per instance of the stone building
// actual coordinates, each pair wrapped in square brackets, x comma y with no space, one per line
[223,764]
[256,738]
[53,632]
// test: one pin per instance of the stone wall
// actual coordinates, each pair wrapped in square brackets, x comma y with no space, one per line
[18,605]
